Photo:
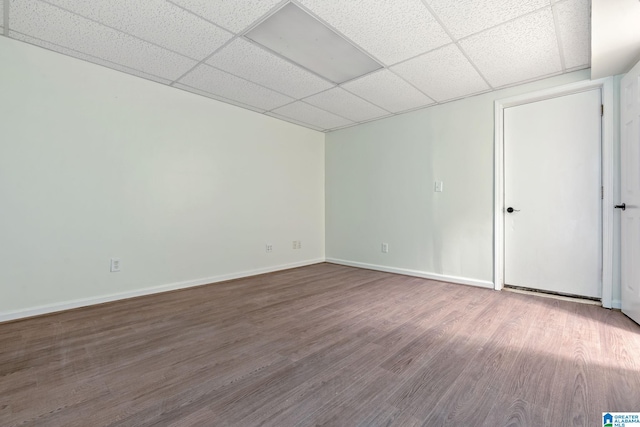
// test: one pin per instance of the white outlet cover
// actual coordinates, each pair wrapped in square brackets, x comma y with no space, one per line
[115,265]
[438,187]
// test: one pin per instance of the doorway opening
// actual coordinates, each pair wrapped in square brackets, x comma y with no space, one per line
[605,86]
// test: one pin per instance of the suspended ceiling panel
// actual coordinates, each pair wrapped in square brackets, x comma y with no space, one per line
[42,21]
[233,15]
[209,79]
[246,60]
[391,31]
[389,91]
[522,49]
[218,97]
[442,74]
[346,104]
[573,18]
[465,17]
[306,113]
[429,51]
[155,21]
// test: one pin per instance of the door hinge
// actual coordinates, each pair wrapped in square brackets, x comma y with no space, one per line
[601,110]
[602,193]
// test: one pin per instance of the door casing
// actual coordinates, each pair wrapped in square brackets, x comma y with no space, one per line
[606,86]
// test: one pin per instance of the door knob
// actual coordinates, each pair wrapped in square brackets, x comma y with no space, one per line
[511,210]
[622,206]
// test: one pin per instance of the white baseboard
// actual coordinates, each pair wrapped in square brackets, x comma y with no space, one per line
[83,302]
[416,273]
[616,303]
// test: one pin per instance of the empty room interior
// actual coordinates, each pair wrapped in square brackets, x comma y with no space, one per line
[319,212]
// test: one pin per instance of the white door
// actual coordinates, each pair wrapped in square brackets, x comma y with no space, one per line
[630,192]
[552,180]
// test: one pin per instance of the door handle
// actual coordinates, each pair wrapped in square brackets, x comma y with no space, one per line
[511,210]
[622,206]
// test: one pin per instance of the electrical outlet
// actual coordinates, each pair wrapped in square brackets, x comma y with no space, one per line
[437,187]
[385,248]
[297,244]
[269,247]
[115,265]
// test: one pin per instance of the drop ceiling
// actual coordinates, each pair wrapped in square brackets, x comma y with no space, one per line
[430,51]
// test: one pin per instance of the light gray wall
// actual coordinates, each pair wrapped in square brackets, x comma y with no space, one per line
[379,188]
[97,164]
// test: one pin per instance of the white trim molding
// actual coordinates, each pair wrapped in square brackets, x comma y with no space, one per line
[414,273]
[606,87]
[84,302]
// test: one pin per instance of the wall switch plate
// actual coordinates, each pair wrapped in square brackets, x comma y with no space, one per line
[437,187]
[269,247]
[385,248]
[115,265]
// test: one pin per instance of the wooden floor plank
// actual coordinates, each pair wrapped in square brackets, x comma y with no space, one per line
[470,397]
[579,380]
[321,345]
[326,386]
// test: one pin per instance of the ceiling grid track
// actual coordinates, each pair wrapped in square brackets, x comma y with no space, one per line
[116,29]
[455,42]
[556,25]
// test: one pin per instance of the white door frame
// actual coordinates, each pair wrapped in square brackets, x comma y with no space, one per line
[606,87]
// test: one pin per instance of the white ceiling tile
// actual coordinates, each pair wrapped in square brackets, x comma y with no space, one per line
[159,40]
[386,90]
[464,17]
[216,82]
[520,50]
[309,114]
[574,23]
[290,120]
[217,98]
[85,57]
[391,31]
[251,62]
[46,22]
[155,21]
[234,15]
[345,104]
[442,74]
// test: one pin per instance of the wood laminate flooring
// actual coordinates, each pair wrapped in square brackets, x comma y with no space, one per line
[323,345]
